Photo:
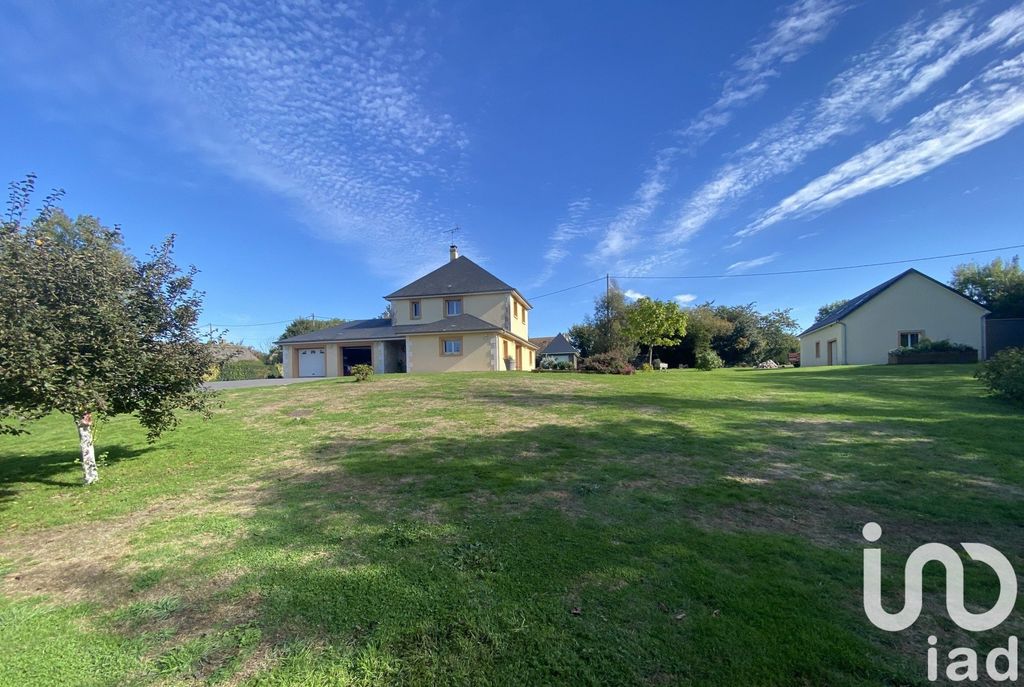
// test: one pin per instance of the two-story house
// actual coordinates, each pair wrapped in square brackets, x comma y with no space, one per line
[458,317]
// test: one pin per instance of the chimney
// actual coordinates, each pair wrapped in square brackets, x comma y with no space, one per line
[453,252]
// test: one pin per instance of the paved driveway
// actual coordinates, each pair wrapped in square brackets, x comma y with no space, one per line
[246,383]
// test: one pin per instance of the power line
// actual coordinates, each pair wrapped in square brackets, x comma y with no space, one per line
[266,324]
[568,288]
[827,269]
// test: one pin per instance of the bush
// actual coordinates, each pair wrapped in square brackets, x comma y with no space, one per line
[234,370]
[362,372]
[707,359]
[647,367]
[1004,374]
[929,346]
[608,364]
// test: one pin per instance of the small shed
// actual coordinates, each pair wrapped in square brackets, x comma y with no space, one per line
[558,350]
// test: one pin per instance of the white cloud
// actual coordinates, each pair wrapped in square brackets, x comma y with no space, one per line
[621,234]
[744,265]
[802,25]
[633,295]
[904,65]
[323,104]
[572,226]
[984,109]
[684,298]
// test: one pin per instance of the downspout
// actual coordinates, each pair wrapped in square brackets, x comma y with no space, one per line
[843,325]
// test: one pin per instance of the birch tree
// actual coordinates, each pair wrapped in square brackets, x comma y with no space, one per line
[90,331]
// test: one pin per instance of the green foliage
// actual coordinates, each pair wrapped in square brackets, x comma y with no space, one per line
[1004,374]
[87,328]
[606,329]
[778,330]
[362,372]
[929,346]
[998,286]
[707,359]
[647,367]
[612,363]
[235,370]
[829,308]
[583,337]
[652,323]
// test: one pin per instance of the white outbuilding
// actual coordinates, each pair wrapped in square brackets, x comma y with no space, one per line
[903,311]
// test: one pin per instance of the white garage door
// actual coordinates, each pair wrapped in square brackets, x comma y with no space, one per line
[311,362]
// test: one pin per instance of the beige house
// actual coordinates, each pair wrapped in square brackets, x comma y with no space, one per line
[460,317]
[900,312]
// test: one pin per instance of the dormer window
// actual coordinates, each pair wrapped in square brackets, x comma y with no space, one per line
[453,307]
[414,310]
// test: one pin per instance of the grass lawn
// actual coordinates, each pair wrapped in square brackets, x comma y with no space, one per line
[522,529]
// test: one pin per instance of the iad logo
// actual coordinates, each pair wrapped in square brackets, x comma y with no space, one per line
[964,661]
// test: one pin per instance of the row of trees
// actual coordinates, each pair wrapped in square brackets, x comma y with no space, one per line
[737,334]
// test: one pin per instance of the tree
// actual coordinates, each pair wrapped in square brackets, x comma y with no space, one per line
[655,323]
[997,286]
[829,308]
[583,337]
[778,329]
[744,342]
[604,331]
[88,330]
[301,325]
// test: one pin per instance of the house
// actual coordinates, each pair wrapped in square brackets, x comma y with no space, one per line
[459,317]
[903,311]
[557,349]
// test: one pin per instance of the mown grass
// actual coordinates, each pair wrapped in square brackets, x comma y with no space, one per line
[669,528]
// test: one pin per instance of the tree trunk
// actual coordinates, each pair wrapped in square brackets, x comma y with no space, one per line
[88,450]
[650,355]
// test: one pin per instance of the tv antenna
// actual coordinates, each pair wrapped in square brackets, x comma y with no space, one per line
[453,233]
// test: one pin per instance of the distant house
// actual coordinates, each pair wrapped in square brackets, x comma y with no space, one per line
[459,317]
[903,311]
[558,350]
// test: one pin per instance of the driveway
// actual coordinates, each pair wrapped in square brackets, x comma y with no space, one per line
[247,383]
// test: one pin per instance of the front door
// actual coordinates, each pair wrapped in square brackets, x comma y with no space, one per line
[311,362]
[832,352]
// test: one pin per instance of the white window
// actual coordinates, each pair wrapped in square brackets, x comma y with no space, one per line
[453,307]
[908,339]
[452,346]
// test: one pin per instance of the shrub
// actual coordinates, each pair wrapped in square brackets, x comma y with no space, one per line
[212,374]
[707,359]
[234,370]
[362,372]
[611,363]
[929,346]
[647,367]
[1004,374]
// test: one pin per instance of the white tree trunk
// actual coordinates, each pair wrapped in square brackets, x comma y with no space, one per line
[88,450]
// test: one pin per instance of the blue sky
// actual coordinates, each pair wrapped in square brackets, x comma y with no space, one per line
[311,155]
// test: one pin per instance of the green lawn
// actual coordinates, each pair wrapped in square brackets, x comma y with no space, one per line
[522,529]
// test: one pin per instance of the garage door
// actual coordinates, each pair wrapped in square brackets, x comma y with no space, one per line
[311,362]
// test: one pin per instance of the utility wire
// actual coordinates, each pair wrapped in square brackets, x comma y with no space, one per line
[568,288]
[827,269]
[709,276]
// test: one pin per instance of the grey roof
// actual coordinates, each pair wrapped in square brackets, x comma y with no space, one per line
[364,330]
[541,341]
[860,300]
[558,346]
[460,275]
